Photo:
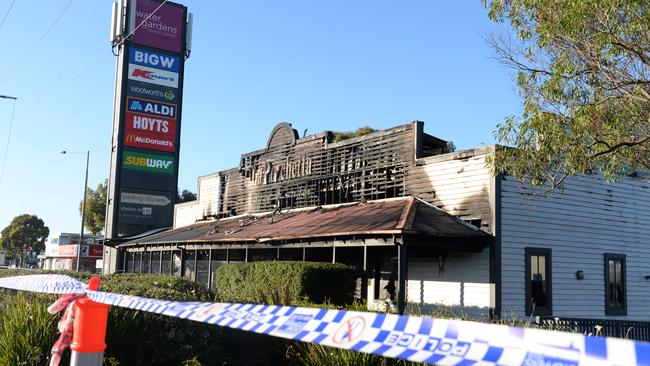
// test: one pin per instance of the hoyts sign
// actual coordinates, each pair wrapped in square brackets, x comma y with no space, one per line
[150,124]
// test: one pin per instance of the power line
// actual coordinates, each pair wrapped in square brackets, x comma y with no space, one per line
[141,23]
[11,123]
[42,37]
[120,42]
[7,13]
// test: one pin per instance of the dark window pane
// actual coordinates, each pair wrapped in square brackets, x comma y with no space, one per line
[176,263]
[130,259]
[166,262]
[236,255]
[318,255]
[202,274]
[256,255]
[615,292]
[290,254]
[189,271]
[146,262]
[219,257]
[219,254]
[136,262]
[155,262]
[538,286]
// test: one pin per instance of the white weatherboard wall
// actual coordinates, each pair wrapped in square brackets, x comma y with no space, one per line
[588,218]
[463,286]
[458,183]
[207,202]
[461,184]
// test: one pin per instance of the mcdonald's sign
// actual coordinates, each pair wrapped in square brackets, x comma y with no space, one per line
[149,141]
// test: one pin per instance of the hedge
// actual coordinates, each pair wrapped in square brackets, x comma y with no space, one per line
[286,282]
[27,332]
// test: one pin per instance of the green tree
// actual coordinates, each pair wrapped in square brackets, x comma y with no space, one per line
[583,70]
[26,233]
[185,196]
[95,208]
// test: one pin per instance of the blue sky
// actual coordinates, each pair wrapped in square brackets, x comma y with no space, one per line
[321,65]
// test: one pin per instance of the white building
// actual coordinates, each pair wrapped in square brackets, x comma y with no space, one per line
[62,249]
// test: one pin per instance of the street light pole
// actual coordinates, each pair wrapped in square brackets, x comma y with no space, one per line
[83,209]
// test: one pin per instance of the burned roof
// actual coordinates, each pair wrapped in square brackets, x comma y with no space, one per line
[393,216]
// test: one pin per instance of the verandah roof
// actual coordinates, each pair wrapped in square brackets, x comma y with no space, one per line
[393,216]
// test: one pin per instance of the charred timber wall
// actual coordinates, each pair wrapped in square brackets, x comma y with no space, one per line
[293,172]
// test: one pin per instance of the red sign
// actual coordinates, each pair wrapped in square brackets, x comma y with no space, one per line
[88,250]
[150,141]
[161,25]
[94,250]
[150,124]
[67,250]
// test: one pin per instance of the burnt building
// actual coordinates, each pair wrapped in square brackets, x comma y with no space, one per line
[435,225]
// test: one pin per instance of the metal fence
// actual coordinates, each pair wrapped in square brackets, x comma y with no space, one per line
[636,330]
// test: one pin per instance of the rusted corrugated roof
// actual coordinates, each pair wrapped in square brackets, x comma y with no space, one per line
[406,215]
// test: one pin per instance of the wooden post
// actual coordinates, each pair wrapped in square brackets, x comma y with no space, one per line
[402,273]
[210,268]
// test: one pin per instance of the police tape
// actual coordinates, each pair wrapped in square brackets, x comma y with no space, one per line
[419,339]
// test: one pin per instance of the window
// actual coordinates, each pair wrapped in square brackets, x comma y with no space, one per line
[538,282]
[615,290]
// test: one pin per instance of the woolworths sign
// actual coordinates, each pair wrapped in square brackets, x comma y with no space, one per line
[148,162]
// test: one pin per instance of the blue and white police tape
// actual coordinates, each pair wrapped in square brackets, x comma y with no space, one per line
[421,339]
[49,284]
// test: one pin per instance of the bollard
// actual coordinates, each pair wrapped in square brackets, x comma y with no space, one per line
[88,339]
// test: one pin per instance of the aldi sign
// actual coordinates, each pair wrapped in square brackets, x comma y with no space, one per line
[151,107]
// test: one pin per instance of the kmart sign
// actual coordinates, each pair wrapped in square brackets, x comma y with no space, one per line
[148,162]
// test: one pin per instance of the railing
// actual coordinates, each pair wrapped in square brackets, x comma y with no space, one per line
[628,329]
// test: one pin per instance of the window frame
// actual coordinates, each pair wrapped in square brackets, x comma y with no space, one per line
[615,310]
[546,310]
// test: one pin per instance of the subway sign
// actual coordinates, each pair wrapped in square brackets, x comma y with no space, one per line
[148,162]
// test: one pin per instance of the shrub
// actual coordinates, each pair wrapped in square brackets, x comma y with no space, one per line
[268,281]
[309,354]
[133,337]
[27,330]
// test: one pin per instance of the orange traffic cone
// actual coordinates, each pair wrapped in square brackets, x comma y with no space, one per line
[88,340]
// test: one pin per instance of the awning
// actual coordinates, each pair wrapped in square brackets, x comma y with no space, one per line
[394,216]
